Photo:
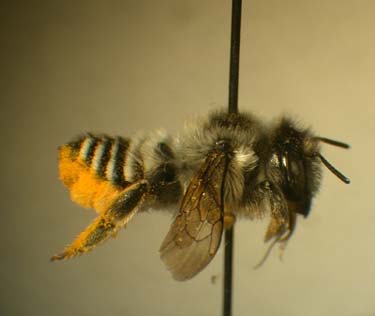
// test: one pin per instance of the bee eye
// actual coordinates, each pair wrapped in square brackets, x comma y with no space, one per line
[294,179]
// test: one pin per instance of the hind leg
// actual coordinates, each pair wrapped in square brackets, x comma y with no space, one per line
[109,222]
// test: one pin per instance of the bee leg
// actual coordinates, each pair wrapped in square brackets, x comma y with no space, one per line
[280,216]
[266,196]
[282,225]
[282,221]
[109,222]
[279,238]
[291,228]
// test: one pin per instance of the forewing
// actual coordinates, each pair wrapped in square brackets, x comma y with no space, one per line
[195,234]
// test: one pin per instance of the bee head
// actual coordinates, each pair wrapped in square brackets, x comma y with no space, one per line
[295,154]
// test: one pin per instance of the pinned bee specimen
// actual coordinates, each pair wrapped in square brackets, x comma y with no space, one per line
[220,167]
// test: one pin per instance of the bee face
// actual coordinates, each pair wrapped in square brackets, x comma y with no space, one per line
[221,166]
[293,165]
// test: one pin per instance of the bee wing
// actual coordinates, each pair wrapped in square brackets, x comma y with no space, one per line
[195,234]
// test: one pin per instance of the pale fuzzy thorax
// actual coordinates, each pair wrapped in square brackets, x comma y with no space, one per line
[199,138]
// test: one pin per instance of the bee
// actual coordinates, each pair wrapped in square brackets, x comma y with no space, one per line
[220,167]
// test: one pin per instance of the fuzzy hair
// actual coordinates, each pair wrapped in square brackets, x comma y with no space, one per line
[154,154]
[199,138]
[144,150]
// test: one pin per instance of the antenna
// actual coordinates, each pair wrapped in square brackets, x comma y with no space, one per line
[328,165]
[332,142]
[331,168]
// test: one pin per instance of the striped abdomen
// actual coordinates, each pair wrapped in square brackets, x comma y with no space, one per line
[92,167]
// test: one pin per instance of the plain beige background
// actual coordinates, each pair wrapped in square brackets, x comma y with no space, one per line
[123,66]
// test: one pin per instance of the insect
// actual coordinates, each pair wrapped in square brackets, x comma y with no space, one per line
[220,167]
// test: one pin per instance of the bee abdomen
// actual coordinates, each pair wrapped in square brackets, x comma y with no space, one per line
[115,171]
[103,155]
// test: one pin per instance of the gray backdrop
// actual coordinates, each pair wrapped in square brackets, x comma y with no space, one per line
[123,66]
